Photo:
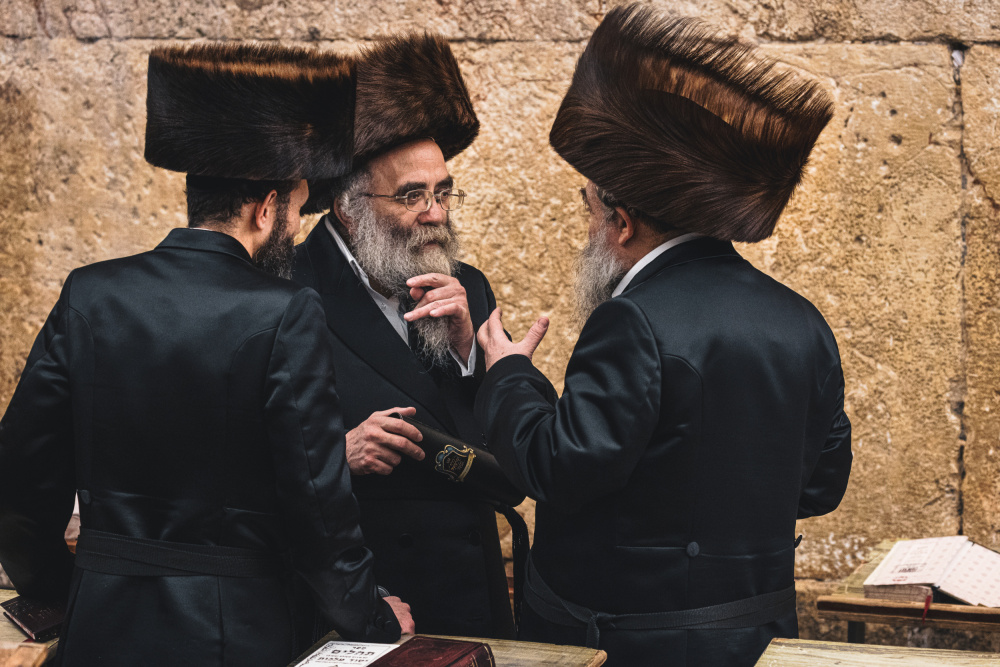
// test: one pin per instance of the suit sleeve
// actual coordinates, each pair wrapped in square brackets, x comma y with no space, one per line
[304,424]
[826,481]
[36,457]
[585,445]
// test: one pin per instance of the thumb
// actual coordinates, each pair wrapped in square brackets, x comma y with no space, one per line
[535,334]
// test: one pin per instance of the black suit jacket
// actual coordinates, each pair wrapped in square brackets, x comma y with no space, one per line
[702,414]
[187,395]
[435,546]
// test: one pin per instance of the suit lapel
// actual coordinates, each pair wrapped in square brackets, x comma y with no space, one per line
[355,319]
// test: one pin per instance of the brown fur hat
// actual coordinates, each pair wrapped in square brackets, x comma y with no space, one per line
[409,87]
[697,131]
[250,111]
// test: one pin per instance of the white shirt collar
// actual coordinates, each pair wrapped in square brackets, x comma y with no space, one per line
[649,257]
[348,255]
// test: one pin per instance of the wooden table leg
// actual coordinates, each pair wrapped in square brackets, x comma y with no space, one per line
[855,632]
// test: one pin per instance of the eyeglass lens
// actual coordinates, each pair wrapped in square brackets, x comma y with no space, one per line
[420,200]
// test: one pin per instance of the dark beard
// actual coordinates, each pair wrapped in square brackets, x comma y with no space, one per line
[275,255]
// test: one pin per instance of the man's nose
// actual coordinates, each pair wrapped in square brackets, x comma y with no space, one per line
[435,215]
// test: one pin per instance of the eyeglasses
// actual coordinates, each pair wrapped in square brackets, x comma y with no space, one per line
[422,200]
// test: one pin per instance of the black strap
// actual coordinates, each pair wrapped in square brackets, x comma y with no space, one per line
[519,542]
[746,613]
[98,551]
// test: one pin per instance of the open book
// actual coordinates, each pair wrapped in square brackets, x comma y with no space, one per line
[956,566]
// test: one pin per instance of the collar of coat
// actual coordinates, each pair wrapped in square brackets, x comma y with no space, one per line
[207,240]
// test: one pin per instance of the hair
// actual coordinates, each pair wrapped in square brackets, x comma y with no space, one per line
[609,203]
[218,201]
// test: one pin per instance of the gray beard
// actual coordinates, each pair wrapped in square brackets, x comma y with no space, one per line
[391,255]
[598,272]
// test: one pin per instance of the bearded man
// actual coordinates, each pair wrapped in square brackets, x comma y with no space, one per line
[185,394]
[404,311]
[703,408]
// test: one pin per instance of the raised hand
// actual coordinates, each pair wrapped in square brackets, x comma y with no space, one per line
[438,295]
[494,341]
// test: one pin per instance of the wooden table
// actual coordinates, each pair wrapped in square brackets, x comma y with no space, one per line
[510,653]
[807,653]
[850,604]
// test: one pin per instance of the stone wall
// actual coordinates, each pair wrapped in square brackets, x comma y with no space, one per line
[895,234]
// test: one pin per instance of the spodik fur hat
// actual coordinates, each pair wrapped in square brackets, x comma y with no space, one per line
[409,87]
[251,111]
[698,131]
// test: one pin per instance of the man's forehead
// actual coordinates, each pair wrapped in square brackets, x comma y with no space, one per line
[419,162]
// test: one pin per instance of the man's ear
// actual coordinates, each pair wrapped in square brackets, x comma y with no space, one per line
[265,213]
[338,212]
[624,225]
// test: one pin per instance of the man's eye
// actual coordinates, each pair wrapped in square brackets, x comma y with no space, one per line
[414,197]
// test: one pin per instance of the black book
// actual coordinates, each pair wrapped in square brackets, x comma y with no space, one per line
[39,620]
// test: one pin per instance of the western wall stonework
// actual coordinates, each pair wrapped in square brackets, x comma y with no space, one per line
[894,235]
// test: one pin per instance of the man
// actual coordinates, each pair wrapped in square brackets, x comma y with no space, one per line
[185,393]
[703,405]
[403,311]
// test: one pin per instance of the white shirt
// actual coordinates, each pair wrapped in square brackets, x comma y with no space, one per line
[391,307]
[649,257]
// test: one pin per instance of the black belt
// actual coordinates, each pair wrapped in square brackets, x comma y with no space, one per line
[109,553]
[746,613]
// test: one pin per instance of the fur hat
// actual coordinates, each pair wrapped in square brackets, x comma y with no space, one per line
[250,111]
[697,131]
[409,87]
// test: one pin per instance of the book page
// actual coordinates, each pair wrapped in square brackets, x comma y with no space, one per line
[975,578]
[918,561]
[346,654]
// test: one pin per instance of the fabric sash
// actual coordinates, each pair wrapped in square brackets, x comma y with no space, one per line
[746,613]
[98,551]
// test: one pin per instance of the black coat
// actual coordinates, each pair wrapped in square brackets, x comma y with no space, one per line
[702,415]
[435,546]
[187,395]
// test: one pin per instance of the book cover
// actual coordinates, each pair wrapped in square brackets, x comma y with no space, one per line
[438,652]
[39,620]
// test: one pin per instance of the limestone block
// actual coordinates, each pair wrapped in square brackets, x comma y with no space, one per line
[873,239]
[307,20]
[75,187]
[981,103]
[523,222]
[18,19]
[847,20]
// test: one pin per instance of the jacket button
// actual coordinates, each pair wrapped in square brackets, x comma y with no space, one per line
[474,538]
[693,549]
[406,540]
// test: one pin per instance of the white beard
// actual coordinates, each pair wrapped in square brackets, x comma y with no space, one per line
[598,271]
[391,255]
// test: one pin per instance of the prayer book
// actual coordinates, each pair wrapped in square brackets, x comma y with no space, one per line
[39,620]
[914,570]
[417,652]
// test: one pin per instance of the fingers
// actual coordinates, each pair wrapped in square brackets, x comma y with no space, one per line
[430,280]
[390,424]
[482,336]
[535,335]
[456,308]
[450,294]
[402,612]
